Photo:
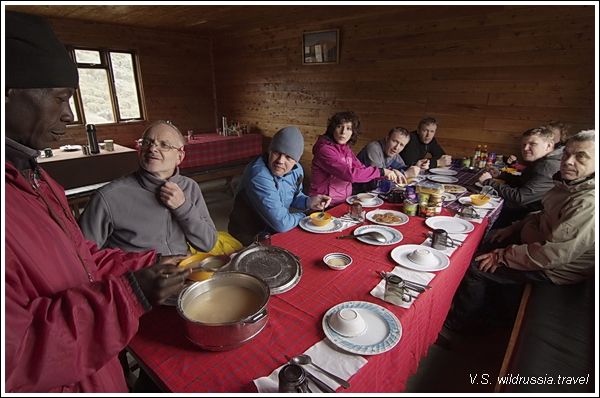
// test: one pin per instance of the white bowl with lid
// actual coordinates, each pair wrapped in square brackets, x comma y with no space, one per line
[348,322]
[421,256]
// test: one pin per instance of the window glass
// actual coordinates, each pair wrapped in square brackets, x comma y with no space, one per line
[125,85]
[109,90]
[95,94]
[87,57]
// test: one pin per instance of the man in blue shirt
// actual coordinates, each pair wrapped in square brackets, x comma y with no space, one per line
[385,153]
[270,198]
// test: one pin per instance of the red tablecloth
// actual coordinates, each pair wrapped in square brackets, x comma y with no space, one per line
[295,318]
[215,150]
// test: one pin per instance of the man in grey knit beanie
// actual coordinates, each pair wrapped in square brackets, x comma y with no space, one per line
[270,197]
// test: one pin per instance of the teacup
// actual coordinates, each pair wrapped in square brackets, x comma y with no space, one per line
[366,198]
[348,322]
[420,256]
[337,261]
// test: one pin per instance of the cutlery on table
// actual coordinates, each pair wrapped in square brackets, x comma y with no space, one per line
[457,243]
[384,275]
[307,360]
[378,236]
[319,383]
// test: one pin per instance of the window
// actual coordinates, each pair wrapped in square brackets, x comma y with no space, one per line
[109,90]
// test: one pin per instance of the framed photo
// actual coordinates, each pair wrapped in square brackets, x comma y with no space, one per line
[320,47]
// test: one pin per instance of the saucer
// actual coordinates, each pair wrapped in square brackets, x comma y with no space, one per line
[401,256]
[376,202]
[383,329]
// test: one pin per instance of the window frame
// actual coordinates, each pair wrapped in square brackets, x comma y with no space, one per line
[106,64]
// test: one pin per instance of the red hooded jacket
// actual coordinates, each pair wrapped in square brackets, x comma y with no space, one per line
[69,308]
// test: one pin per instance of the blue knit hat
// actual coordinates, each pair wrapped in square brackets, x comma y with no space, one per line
[288,140]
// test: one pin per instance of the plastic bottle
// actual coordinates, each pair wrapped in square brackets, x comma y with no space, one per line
[477,153]
[92,140]
[483,157]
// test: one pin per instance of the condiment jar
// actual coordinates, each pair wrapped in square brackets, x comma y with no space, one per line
[410,207]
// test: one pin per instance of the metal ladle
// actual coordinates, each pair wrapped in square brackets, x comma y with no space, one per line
[307,360]
[375,235]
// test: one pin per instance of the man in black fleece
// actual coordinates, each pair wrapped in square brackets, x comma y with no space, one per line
[422,141]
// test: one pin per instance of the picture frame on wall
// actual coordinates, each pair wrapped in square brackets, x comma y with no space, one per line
[320,47]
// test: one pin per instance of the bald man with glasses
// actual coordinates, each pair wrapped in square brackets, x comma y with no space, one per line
[154,207]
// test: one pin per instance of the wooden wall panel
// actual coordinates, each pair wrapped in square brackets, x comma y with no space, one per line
[176,75]
[487,73]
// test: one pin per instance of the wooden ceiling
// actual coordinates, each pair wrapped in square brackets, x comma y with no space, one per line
[202,19]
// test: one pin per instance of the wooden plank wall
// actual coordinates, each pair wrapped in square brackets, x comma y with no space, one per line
[488,73]
[176,76]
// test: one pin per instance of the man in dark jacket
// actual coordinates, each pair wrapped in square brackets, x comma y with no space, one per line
[523,194]
[423,142]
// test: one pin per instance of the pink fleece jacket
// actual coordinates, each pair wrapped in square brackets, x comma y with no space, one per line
[335,168]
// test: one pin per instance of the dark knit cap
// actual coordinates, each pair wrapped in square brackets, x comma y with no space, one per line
[34,57]
[288,140]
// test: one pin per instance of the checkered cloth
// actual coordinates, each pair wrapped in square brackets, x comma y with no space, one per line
[295,318]
[215,150]
[468,179]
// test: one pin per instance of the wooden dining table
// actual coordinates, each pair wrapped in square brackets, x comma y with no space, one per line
[295,317]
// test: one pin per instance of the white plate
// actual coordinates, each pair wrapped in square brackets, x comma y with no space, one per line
[375,203]
[383,329]
[465,200]
[403,217]
[70,148]
[448,197]
[452,225]
[334,226]
[392,235]
[451,188]
[442,179]
[439,260]
[443,171]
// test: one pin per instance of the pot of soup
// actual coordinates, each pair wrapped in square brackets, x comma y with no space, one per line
[225,311]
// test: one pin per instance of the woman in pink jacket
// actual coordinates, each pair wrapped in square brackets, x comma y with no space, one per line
[334,165]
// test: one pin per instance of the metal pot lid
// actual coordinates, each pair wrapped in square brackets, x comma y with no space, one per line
[277,267]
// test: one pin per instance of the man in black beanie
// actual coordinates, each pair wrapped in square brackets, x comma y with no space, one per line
[70,308]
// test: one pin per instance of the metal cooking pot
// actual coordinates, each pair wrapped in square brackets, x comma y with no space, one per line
[229,335]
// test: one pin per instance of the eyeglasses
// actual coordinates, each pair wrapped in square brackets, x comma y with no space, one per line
[161,145]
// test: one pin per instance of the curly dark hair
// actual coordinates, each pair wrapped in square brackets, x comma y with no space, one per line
[341,118]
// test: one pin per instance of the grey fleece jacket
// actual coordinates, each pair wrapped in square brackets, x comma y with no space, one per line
[128,214]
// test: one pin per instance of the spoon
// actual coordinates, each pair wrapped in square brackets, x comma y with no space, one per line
[307,360]
[322,213]
[378,236]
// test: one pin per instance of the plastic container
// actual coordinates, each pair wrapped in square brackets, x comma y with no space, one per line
[430,187]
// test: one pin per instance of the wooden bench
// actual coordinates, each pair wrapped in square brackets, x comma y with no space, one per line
[226,171]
